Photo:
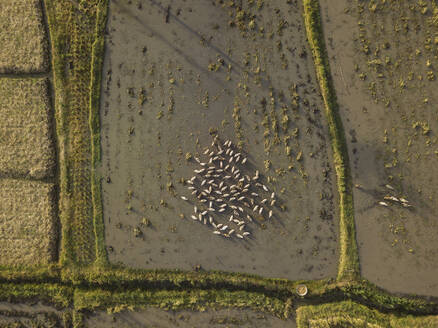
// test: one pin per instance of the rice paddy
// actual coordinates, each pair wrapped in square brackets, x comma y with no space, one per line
[28,233]
[24,46]
[26,117]
[165,98]
[222,178]
[381,82]
[28,211]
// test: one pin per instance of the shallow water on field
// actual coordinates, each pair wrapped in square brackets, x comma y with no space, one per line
[398,247]
[171,82]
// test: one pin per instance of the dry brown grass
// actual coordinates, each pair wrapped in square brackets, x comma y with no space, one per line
[22,37]
[27,222]
[26,147]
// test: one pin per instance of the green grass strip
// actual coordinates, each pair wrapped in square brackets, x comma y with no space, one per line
[414,322]
[176,300]
[58,295]
[350,314]
[59,43]
[342,314]
[319,291]
[50,273]
[366,293]
[348,259]
[112,278]
[117,277]
[98,51]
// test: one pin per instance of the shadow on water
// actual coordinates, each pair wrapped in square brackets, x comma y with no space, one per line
[237,68]
[179,52]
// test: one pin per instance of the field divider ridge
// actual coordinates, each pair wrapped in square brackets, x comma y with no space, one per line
[97,56]
[349,268]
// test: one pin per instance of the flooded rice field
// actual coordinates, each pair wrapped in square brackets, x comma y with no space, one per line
[383,62]
[210,318]
[179,76]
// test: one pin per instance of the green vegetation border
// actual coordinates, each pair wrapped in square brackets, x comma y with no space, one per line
[113,278]
[319,291]
[349,268]
[59,44]
[346,313]
[59,295]
[97,55]
[350,314]
[45,273]
[195,299]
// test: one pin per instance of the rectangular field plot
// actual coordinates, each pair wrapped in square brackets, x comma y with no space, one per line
[22,37]
[383,62]
[210,318]
[26,144]
[27,222]
[176,76]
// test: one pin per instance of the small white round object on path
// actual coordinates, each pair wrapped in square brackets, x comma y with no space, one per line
[302,290]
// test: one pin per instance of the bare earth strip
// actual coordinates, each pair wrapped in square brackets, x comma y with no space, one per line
[26,146]
[27,222]
[22,37]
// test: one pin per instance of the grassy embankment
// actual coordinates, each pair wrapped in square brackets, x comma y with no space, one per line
[350,314]
[76,83]
[57,294]
[349,259]
[97,55]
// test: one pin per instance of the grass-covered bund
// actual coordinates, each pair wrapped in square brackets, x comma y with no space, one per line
[349,259]
[83,280]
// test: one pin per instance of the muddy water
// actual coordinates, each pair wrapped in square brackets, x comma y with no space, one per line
[398,247]
[210,318]
[172,72]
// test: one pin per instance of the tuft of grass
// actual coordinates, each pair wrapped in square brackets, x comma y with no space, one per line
[349,258]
